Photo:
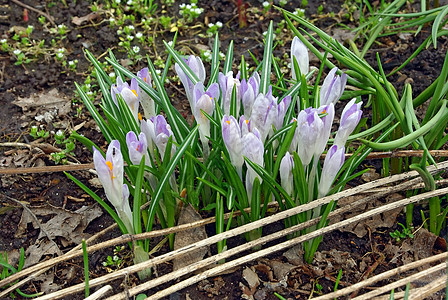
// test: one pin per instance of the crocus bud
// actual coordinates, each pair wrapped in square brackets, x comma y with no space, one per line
[204,101]
[309,128]
[253,149]
[196,65]
[227,83]
[245,125]
[137,146]
[249,91]
[231,134]
[147,127]
[327,116]
[130,94]
[146,101]
[349,120]
[286,178]
[332,88]
[300,52]
[264,112]
[282,108]
[125,213]
[333,162]
[161,134]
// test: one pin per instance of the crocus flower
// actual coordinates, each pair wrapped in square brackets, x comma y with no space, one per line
[137,146]
[286,178]
[309,128]
[196,65]
[253,149]
[333,162]
[231,135]
[264,112]
[282,108]
[161,134]
[333,87]
[130,94]
[110,174]
[204,101]
[126,214]
[146,101]
[227,83]
[349,120]
[300,52]
[328,115]
[245,125]
[147,127]
[249,91]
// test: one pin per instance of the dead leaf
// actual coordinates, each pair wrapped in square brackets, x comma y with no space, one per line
[281,269]
[45,105]
[63,224]
[87,18]
[35,252]
[188,237]
[294,255]
[251,278]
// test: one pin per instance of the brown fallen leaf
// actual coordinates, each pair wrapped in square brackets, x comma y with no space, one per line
[87,18]
[188,215]
[63,224]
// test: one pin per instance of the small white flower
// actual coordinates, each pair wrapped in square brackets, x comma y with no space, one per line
[136,49]
[211,25]
[61,26]
[198,11]
[219,24]
[71,63]
[131,27]
[3,41]
[30,27]
[59,133]
[129,2]
[119,32]
[170,43]
[111,19]
[182,6]
[115,258]
[158,72]
[17,51]
[104,264]
[193,5]
[138,35]
[87,85]
[130,37]
[61,50]
[118,1]
[221,55]
[34,127]
[188,6]
[59,55]
[266,4]
[112,74]
[89,93]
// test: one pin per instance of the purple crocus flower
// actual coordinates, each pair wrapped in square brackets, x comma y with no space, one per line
[332,88]
[227,83]
[161,133]
[137,146]
[328,115]
[300,52]
[253,149]
[309,128]
[282,108]
[130,94]
[110,174]
[231,135]
[146,101]
[196,65]
[249,91]
[204,101]
[349,120]
[333,162]
[286,177]
[264,112]
[126,214]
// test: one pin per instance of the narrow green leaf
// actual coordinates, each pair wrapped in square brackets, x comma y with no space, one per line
[266,68]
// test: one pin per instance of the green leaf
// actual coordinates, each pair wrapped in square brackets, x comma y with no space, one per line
[266,68]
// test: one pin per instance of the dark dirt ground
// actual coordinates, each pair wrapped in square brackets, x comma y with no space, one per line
[54,190]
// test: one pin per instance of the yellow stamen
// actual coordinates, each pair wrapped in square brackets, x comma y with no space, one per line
[324,111]
[140,116]
[109,164]
[135,93]
[228,122]
[138,147]
[247,121]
